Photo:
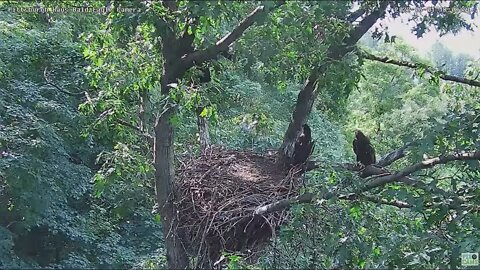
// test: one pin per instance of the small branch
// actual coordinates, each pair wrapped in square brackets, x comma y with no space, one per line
[442,75]
[51,83]
[394,155]
[138,129]
[354,197]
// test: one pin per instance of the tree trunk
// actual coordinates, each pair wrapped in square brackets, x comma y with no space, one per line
[302,110]
[202,124]
[164,188]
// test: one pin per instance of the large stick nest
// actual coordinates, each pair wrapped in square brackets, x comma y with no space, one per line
[217,194]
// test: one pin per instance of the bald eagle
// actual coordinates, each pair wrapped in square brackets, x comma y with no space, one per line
[303,146]
[363,149]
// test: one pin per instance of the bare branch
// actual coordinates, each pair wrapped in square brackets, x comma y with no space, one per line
[430,70]
[354,197]
[394,155]
[283,204]
[401,176]
[429,163]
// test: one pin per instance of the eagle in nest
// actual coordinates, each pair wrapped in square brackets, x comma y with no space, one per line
[303,146]
[363,149]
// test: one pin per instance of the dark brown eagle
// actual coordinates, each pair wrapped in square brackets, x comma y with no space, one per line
[363,149]
[303,146]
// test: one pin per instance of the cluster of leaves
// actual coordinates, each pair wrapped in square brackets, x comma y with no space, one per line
[50,217]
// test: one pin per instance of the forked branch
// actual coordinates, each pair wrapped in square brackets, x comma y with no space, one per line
[375,182]
[429,163]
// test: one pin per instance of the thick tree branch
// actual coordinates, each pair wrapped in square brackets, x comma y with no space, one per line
[376,182]
[164,30]
[429,163]
[213,51]
[358,32]
[309,92]
[367,23]
[355,15]
[442,74]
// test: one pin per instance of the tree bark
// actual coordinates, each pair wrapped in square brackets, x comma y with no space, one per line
[164,188]
[303,107]
[202,125]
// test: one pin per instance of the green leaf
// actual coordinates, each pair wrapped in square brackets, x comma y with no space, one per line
[157,218]
[204,112]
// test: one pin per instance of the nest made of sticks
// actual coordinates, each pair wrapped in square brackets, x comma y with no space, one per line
[217,194]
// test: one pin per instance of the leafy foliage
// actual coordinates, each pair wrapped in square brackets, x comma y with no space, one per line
[49,215]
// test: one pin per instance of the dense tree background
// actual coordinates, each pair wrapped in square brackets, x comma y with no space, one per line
[80,95]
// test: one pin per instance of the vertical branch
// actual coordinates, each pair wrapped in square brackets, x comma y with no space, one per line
[202,125]
[300,114]
[164,189]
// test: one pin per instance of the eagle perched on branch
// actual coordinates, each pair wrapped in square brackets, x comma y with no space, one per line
[303,146]
[363,149]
